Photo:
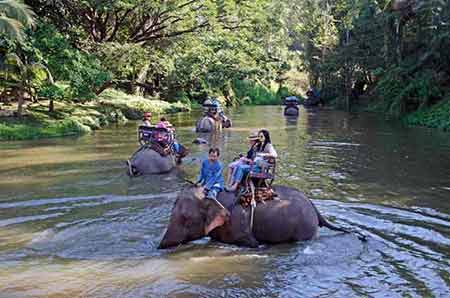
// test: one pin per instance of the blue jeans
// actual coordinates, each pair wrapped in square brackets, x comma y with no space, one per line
[240,172]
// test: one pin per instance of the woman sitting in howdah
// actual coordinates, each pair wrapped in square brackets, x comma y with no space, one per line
[253,140]
[262,150]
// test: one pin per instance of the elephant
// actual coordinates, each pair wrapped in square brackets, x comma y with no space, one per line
[148,161]
[291,111]
[208,124]
[290,217]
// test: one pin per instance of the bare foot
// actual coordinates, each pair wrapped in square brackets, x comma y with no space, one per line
[232,187]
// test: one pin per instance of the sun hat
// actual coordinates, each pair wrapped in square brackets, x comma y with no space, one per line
[253,135]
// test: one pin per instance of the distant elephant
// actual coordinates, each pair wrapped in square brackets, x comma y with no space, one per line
[291,111]
[208,124]
[313,101]
[148,161]
[290,217]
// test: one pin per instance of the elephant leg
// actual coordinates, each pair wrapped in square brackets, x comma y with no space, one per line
[237,230]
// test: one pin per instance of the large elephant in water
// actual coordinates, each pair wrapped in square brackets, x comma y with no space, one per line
[147,160]
[290,217]
[208,124]
[291,111]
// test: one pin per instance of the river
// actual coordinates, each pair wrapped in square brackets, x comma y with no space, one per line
[73,224]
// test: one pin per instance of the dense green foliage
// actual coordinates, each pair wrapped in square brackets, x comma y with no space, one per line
[394,52]
[437,116]
[71,118]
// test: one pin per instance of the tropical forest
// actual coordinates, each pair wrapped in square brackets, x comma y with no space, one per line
[224,148]
[72,66]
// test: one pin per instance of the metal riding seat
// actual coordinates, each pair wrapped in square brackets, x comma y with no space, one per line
[262,174]
[291,101]
[158,135]
[258,183]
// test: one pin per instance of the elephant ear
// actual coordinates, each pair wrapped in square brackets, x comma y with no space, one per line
[216,216]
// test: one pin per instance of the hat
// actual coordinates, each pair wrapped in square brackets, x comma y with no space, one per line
[253,135]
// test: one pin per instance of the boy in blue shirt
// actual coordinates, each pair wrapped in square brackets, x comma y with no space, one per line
[211,174]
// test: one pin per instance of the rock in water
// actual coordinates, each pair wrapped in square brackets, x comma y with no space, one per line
[200,141]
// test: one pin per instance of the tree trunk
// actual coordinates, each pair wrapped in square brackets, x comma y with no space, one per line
[141,78]
[20,101]
[398,41]
[51,106]
[348,74]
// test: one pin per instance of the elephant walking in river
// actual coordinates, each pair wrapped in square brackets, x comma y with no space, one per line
[291,111]
[208,124]
[154,159]
[148,161]
[289,217]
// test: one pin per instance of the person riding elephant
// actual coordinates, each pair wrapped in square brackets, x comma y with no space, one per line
[291,217]
[263,149]
[252,139]
[213,117]
[210,177]
[175,146]
[159,151]
[146,120]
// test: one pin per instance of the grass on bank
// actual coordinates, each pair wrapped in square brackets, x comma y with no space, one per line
[71,118]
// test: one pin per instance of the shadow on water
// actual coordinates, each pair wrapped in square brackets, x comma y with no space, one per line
[77,226]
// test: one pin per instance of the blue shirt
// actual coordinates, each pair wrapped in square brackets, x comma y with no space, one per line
[211,174]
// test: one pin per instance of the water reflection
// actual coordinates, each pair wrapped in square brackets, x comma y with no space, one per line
[73,224]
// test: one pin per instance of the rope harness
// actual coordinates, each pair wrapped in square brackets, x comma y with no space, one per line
[254,196]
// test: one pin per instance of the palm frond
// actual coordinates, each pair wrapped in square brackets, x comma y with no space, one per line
[17,10]
[11,28]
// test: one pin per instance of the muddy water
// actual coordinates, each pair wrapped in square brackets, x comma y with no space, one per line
[72,224]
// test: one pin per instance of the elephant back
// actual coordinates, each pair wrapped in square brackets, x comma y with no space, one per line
[291,111]
[208,124]
[147,160]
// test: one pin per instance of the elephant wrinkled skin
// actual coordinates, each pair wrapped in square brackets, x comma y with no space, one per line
[291,217]
[147,161]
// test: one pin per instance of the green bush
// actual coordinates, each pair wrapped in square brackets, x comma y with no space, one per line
[438,116]
[81,70]
[253,93]
[133,106]
[56,129]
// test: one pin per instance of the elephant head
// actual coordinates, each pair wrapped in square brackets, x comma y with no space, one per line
[193,217]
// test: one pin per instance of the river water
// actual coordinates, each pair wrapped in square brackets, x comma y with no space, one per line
[72,224]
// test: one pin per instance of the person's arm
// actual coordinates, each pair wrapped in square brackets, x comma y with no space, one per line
[270,151]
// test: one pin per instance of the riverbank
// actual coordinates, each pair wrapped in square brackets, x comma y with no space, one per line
[71,118]
[435,116]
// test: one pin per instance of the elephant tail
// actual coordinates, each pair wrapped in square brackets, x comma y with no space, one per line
[325,223]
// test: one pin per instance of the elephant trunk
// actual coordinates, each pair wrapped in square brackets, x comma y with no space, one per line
[173,237]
